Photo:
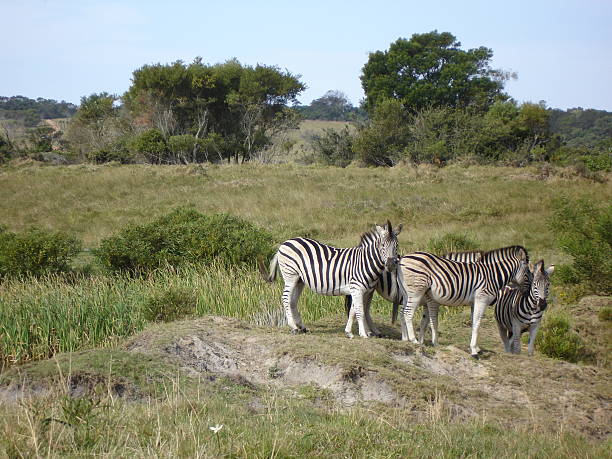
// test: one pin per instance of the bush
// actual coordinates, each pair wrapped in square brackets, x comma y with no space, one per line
[35,252]
[450,242]
[152,144]
[585,233]
[556,339]
[169,304]
[185,236]
[334,147]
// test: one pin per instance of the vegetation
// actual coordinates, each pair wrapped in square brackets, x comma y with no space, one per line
[35,252]
[332,106]
[557,340]
[31,111]
[431,70]
[184,236]
[584,231]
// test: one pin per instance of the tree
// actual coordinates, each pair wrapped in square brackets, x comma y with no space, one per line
[431,70]
[245,105]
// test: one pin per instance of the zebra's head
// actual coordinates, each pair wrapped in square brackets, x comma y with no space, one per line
[540,284]
[387,245]
[521,274]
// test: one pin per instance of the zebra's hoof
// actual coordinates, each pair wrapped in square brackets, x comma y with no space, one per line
[304,330]
[349,335]
[295,331]
[475,356]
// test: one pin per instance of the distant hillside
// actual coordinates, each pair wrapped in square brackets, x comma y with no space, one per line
[31,111]
[580,126]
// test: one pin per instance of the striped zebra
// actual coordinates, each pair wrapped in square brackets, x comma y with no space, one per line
[424,276]
[519,308]
[334,271]
[387,287]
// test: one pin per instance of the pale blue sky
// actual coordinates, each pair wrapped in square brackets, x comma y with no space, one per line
[61,49]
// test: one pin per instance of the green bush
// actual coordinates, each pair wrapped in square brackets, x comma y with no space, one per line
[450,242]
[152,144]
[556,339]
[185,236]
[35,252]
[169,304]
[585,232]
[334,147]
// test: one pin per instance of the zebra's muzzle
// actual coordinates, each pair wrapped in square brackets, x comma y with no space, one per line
[391,264]
[542,305]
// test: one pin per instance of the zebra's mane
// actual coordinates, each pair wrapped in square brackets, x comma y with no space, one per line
[510,250]
[368,237]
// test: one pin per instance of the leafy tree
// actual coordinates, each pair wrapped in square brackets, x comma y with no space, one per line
[431,69]
[245,105]
[334,147]
[332,106]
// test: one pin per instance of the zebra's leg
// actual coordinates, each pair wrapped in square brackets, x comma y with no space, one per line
[291,294]
[515,341]
[358,301]
[432,310]
[348,329]
[533,330]
[423,325]
[372,329]
[503,333]
[480,304]
[412,302]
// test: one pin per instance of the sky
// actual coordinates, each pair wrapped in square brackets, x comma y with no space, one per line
[63,49]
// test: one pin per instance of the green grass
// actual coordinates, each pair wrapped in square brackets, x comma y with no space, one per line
[90,314]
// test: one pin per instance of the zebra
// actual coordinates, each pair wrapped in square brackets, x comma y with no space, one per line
[387,287]
[334,271]
[426,276]
[519,308]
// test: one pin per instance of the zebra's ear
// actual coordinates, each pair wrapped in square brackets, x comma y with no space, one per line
[539,266]
[398,229]
[389,229]
[550,270]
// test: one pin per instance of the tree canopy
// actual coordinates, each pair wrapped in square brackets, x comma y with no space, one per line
[431,70]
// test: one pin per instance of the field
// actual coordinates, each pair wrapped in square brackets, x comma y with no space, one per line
[86,373]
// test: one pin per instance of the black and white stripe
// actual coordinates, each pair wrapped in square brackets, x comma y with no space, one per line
[520,308]
[436,280]
[388,288]
[334,271]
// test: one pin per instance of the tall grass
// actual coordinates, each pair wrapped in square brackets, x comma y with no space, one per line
[41,317]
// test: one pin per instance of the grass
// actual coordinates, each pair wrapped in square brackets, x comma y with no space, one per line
[90,314]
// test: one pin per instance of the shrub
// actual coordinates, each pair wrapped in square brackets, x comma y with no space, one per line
[450,242]
[152,144]
[35,252]
[185,236]
[585,232]
[169,304]
[556,339]
[334,147]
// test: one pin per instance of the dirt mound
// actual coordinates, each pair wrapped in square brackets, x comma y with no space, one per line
[516,390]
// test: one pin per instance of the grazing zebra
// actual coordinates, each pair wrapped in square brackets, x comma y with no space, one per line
[439,281]
[334,271]
[387,287]
[519,308]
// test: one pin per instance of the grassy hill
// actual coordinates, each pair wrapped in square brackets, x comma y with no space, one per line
[129,387]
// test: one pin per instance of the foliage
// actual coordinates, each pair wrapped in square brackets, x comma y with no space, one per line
[584,231]
[35,252]
[245,105]
[381,142]
[31,111]
[169,303]
[332,106]
[5,149]
[581,127]
[334,147]
[556,339]
[184,236]
[451,242]
[98,129]
[152,144]
[431,69]
[118,151]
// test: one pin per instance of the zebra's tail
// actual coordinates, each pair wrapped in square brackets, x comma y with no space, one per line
[269,276]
